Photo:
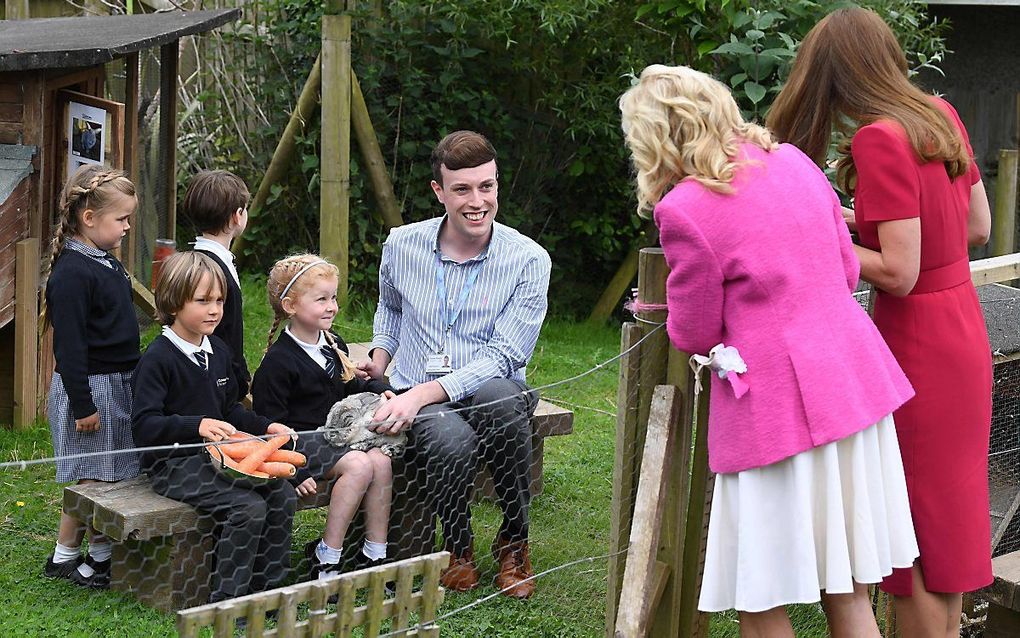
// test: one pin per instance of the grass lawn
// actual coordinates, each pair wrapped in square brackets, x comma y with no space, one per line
[570,520]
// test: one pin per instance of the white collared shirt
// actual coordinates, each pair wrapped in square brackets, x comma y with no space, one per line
[189,349]
[312,350]
[216,248]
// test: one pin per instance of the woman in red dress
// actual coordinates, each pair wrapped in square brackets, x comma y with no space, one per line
[919,204]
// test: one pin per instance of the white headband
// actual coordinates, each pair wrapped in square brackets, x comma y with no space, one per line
[299,273]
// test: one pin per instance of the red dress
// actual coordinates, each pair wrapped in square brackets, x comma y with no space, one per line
[938,336]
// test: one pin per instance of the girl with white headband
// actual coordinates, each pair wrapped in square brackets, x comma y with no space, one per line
[301,376]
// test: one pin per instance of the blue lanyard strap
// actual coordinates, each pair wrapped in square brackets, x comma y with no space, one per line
[449,318]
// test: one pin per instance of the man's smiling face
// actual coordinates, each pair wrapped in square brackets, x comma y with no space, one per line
[469,195]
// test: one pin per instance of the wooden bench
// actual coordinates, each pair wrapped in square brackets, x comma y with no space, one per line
[163,553]
[1003,597]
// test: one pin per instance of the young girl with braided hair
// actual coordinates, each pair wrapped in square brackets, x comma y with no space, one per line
[95,344]
[301,376]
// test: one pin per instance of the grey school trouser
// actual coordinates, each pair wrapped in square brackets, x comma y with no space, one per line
[450,444]
[253,544]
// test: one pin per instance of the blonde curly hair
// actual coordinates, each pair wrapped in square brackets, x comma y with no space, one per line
[680,123]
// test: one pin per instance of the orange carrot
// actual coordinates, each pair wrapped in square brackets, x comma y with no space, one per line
[253,460]
[239,450]
[296,459]
[281,470]
[218,456]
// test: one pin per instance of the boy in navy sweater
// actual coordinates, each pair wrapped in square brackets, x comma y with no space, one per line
[216,203]
[185,392]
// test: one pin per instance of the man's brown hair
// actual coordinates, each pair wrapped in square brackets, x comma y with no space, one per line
[179,279]
[212,197]
[461,149]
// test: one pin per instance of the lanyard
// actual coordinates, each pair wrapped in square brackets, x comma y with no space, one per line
[450,319]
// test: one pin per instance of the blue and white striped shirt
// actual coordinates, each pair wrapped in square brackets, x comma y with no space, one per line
[495,334]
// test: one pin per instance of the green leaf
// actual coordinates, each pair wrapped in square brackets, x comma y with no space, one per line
[755,92]
[737,79]
[736,48]
[706,47]
[755,34]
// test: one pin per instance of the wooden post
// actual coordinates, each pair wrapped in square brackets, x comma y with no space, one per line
[26,337]
[131,84]
[16,9]
[335,159]
[618,285]
[364,132]
[645,577]
[167,153]
[1004,216]
[283,156]
[624,463]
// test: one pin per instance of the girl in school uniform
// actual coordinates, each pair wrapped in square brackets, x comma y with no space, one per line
[810,498]
[301,376]
[95,344]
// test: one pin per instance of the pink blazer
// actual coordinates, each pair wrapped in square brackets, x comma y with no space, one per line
[770,270]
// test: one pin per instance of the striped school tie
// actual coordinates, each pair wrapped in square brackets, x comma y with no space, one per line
[327,351]
[203,359]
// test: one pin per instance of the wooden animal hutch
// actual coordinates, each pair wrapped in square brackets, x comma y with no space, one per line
[50,67]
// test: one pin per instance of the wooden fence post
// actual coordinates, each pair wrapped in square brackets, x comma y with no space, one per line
[375,166]
[26,333]
[167,153]
[335,159]
[686,489]
[1004,215]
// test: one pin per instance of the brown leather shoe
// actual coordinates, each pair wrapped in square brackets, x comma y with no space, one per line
[514,568]
[461,575]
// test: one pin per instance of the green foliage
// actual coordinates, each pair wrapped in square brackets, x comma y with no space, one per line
[540,78]
[750,45]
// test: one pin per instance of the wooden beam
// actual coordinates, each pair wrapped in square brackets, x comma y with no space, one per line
[131,85]
[26,339]
[167,162]
[335,160]
[375,165]
[143,297]
[995,269]
[1004,215]
[16,10]
[283,156]
[636,599]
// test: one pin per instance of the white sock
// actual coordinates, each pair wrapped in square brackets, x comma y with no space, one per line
[101,551]
[63,553]
[373,550]
[327,555]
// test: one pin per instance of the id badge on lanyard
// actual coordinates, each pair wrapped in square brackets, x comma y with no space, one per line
[441,362]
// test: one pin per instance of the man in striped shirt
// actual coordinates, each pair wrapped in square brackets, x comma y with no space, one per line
[461,302]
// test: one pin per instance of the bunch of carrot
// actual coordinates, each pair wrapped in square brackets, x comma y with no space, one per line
[258,458]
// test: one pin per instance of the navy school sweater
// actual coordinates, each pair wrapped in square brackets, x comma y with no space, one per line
[172,395]
[231,328]
[94,326]
[290,388]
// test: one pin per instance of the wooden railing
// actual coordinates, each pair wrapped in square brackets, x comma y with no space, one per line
[423,602]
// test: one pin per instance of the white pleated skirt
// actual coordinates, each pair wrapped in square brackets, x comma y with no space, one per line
[818,521]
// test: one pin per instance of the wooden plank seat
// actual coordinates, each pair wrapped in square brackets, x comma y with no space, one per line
[163,554]
[1003,597]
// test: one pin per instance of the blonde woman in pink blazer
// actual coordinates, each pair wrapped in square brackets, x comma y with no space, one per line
[810,499]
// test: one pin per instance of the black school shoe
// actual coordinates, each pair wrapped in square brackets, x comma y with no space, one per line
[100,578]
[61,570]
[364,562]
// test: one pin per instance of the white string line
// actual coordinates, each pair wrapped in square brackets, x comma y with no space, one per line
[183,446]
[432,623]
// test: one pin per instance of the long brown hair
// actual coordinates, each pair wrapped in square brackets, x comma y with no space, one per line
[850,72]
